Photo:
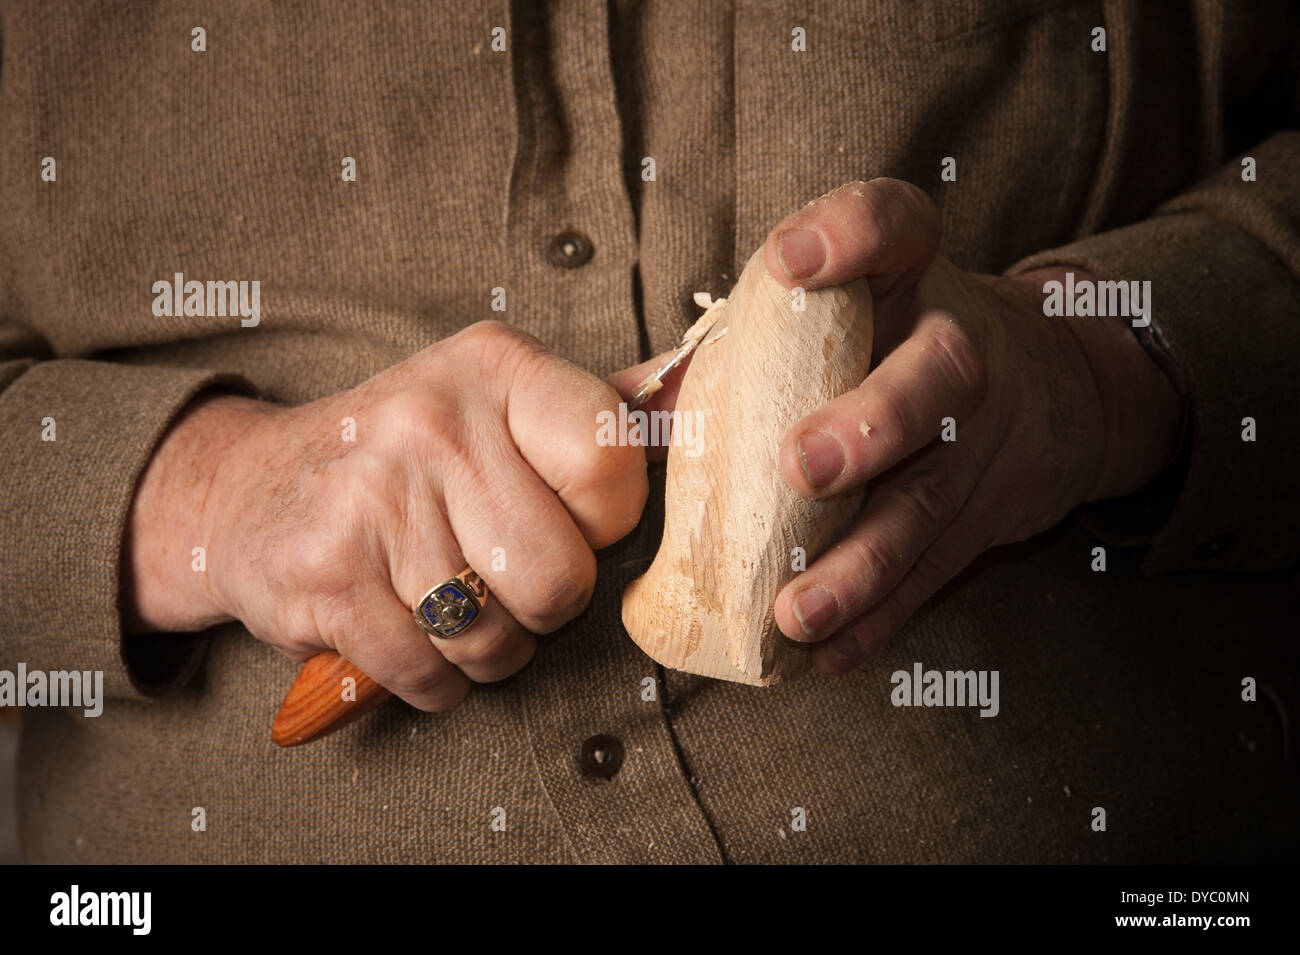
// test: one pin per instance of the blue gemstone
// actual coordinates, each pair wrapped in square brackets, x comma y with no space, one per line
[449,593]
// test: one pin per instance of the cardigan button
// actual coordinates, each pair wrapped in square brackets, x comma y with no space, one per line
[601,756]
[570,250]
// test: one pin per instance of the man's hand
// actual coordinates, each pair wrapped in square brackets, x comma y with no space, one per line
[478,450]
[1047,412]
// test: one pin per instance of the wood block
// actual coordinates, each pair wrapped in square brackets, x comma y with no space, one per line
[731,522]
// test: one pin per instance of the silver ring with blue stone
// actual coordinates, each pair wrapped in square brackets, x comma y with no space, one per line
[452,607]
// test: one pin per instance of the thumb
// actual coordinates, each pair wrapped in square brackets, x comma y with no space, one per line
[885,230]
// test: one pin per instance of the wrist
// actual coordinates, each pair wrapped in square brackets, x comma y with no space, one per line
[1141,410]
[167,542]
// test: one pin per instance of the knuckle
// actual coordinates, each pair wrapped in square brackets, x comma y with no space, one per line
[558,593]
[421,419]
[485,334]
[314,582]
[930,504]
[333,615]
[615,474]
[496,654]
[372,482]
[428,682]
[890,411]
[868,225]
[616,512]
[901,199]
[488,344]
[886,184]
[290,627]
[449,696]
[876,212]
[960,357]
[594,466]
[322,561]
[873,566]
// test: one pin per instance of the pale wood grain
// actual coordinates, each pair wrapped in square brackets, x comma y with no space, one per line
[706,603]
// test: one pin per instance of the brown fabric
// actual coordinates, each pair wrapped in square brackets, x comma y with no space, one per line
[1119,690]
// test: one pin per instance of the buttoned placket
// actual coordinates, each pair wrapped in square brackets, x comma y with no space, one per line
[603,748]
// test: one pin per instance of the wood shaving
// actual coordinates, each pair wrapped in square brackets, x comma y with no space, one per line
[702,324]
[690,340]
[649,386]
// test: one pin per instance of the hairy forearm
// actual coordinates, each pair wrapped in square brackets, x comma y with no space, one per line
[165,585]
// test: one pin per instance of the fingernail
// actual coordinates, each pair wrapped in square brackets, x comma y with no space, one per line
[801,253]
[815,608]
[822,458]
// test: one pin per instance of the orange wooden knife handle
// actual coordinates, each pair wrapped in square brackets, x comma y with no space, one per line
[314,705]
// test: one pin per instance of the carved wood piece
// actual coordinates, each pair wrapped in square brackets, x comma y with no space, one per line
[731,522]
